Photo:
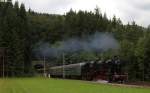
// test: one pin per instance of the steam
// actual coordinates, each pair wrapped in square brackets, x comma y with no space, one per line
[99,42]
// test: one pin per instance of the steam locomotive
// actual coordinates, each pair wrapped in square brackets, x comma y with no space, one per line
[110,70]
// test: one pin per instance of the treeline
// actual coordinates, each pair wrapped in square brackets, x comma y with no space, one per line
[133,39]
[15,38]
[21,30]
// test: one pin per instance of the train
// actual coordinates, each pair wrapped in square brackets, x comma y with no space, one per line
[109,70]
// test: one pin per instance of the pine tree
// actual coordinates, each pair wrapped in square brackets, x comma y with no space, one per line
[26,39]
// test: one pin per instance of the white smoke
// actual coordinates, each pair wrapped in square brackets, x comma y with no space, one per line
[99,42]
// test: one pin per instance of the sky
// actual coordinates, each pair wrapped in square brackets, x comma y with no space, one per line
[126,10]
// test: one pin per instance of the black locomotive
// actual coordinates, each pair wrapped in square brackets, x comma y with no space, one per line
[110,70]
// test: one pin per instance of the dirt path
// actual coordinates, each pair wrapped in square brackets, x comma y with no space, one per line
[131,84]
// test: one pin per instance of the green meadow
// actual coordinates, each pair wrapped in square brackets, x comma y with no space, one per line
[42,85]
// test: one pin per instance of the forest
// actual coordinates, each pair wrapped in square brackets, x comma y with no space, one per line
[23,31]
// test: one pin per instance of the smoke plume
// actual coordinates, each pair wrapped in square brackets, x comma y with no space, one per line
[99,42]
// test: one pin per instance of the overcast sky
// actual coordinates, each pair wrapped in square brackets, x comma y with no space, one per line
[127,10]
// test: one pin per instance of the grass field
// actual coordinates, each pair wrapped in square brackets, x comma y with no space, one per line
[41,85]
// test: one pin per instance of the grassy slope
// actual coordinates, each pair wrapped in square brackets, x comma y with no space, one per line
[40,85]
